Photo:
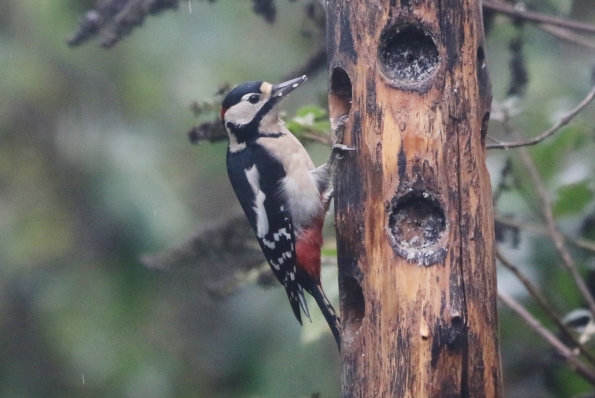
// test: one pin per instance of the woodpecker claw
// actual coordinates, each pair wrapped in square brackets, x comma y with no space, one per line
[339,128]
[341,149]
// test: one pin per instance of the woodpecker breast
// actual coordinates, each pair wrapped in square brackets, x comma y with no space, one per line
[298,188]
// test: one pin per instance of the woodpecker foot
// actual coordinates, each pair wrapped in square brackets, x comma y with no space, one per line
[340,149]
[339,128]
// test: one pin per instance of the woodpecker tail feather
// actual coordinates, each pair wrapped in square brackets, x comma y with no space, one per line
[297,300]
[303,303]
[329,312]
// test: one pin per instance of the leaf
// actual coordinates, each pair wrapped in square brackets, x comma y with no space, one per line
[573,198]
[296,128]
[309,119]
[316,111]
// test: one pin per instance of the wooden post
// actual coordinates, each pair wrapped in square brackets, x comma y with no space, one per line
[417,275]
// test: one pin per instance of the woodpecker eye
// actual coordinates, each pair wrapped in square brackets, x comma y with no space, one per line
[254,98]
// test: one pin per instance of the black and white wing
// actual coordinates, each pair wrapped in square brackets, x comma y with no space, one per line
[256,177]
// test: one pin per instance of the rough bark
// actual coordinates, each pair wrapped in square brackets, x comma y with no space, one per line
[413,206]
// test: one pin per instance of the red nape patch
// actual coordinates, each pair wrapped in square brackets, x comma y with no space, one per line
[223,110]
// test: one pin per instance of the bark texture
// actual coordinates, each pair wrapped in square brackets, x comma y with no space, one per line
[413,204]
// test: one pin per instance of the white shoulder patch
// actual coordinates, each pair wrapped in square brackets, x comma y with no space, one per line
[262,222]
[234,146]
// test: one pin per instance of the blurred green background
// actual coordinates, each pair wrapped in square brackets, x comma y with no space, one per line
[96,171]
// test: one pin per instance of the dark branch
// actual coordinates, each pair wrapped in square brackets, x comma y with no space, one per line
[115,19]
[313,65]
[518,69]
[225,251]
[226,242]
[266,9]
[530,16]
[210,131]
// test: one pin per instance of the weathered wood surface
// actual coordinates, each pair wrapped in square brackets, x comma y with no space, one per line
[414,217]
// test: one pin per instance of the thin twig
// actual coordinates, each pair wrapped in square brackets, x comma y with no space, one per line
[552,228]
[545,306]
[568,36]
[537,17]
[563,122]
[566,353]
[540,229]
[316,137]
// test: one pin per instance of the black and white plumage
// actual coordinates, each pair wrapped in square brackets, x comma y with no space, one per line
[284,197]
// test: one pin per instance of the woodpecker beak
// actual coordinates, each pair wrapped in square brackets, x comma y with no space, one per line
[282,89]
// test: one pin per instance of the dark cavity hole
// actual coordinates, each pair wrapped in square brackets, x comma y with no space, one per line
[340,96]
[354,306]
[407,53]
[417,221]
[481,58]
[484,128]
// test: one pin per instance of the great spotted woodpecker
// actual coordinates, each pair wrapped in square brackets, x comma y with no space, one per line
[284,197]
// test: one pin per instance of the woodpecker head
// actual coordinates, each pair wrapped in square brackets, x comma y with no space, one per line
[250,108]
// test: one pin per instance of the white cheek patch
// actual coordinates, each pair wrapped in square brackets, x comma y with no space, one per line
[262,222]
[243,112]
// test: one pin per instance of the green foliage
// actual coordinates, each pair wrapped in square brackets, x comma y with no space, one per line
[309,119]
[549,156]
[573,198]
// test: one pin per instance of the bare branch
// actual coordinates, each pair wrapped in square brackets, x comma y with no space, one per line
[553,231]
[540,229]
[545,306]
[537,17]
[568,36]
[555,128]
[566,353]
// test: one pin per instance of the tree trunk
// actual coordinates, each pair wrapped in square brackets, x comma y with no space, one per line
[414,218]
